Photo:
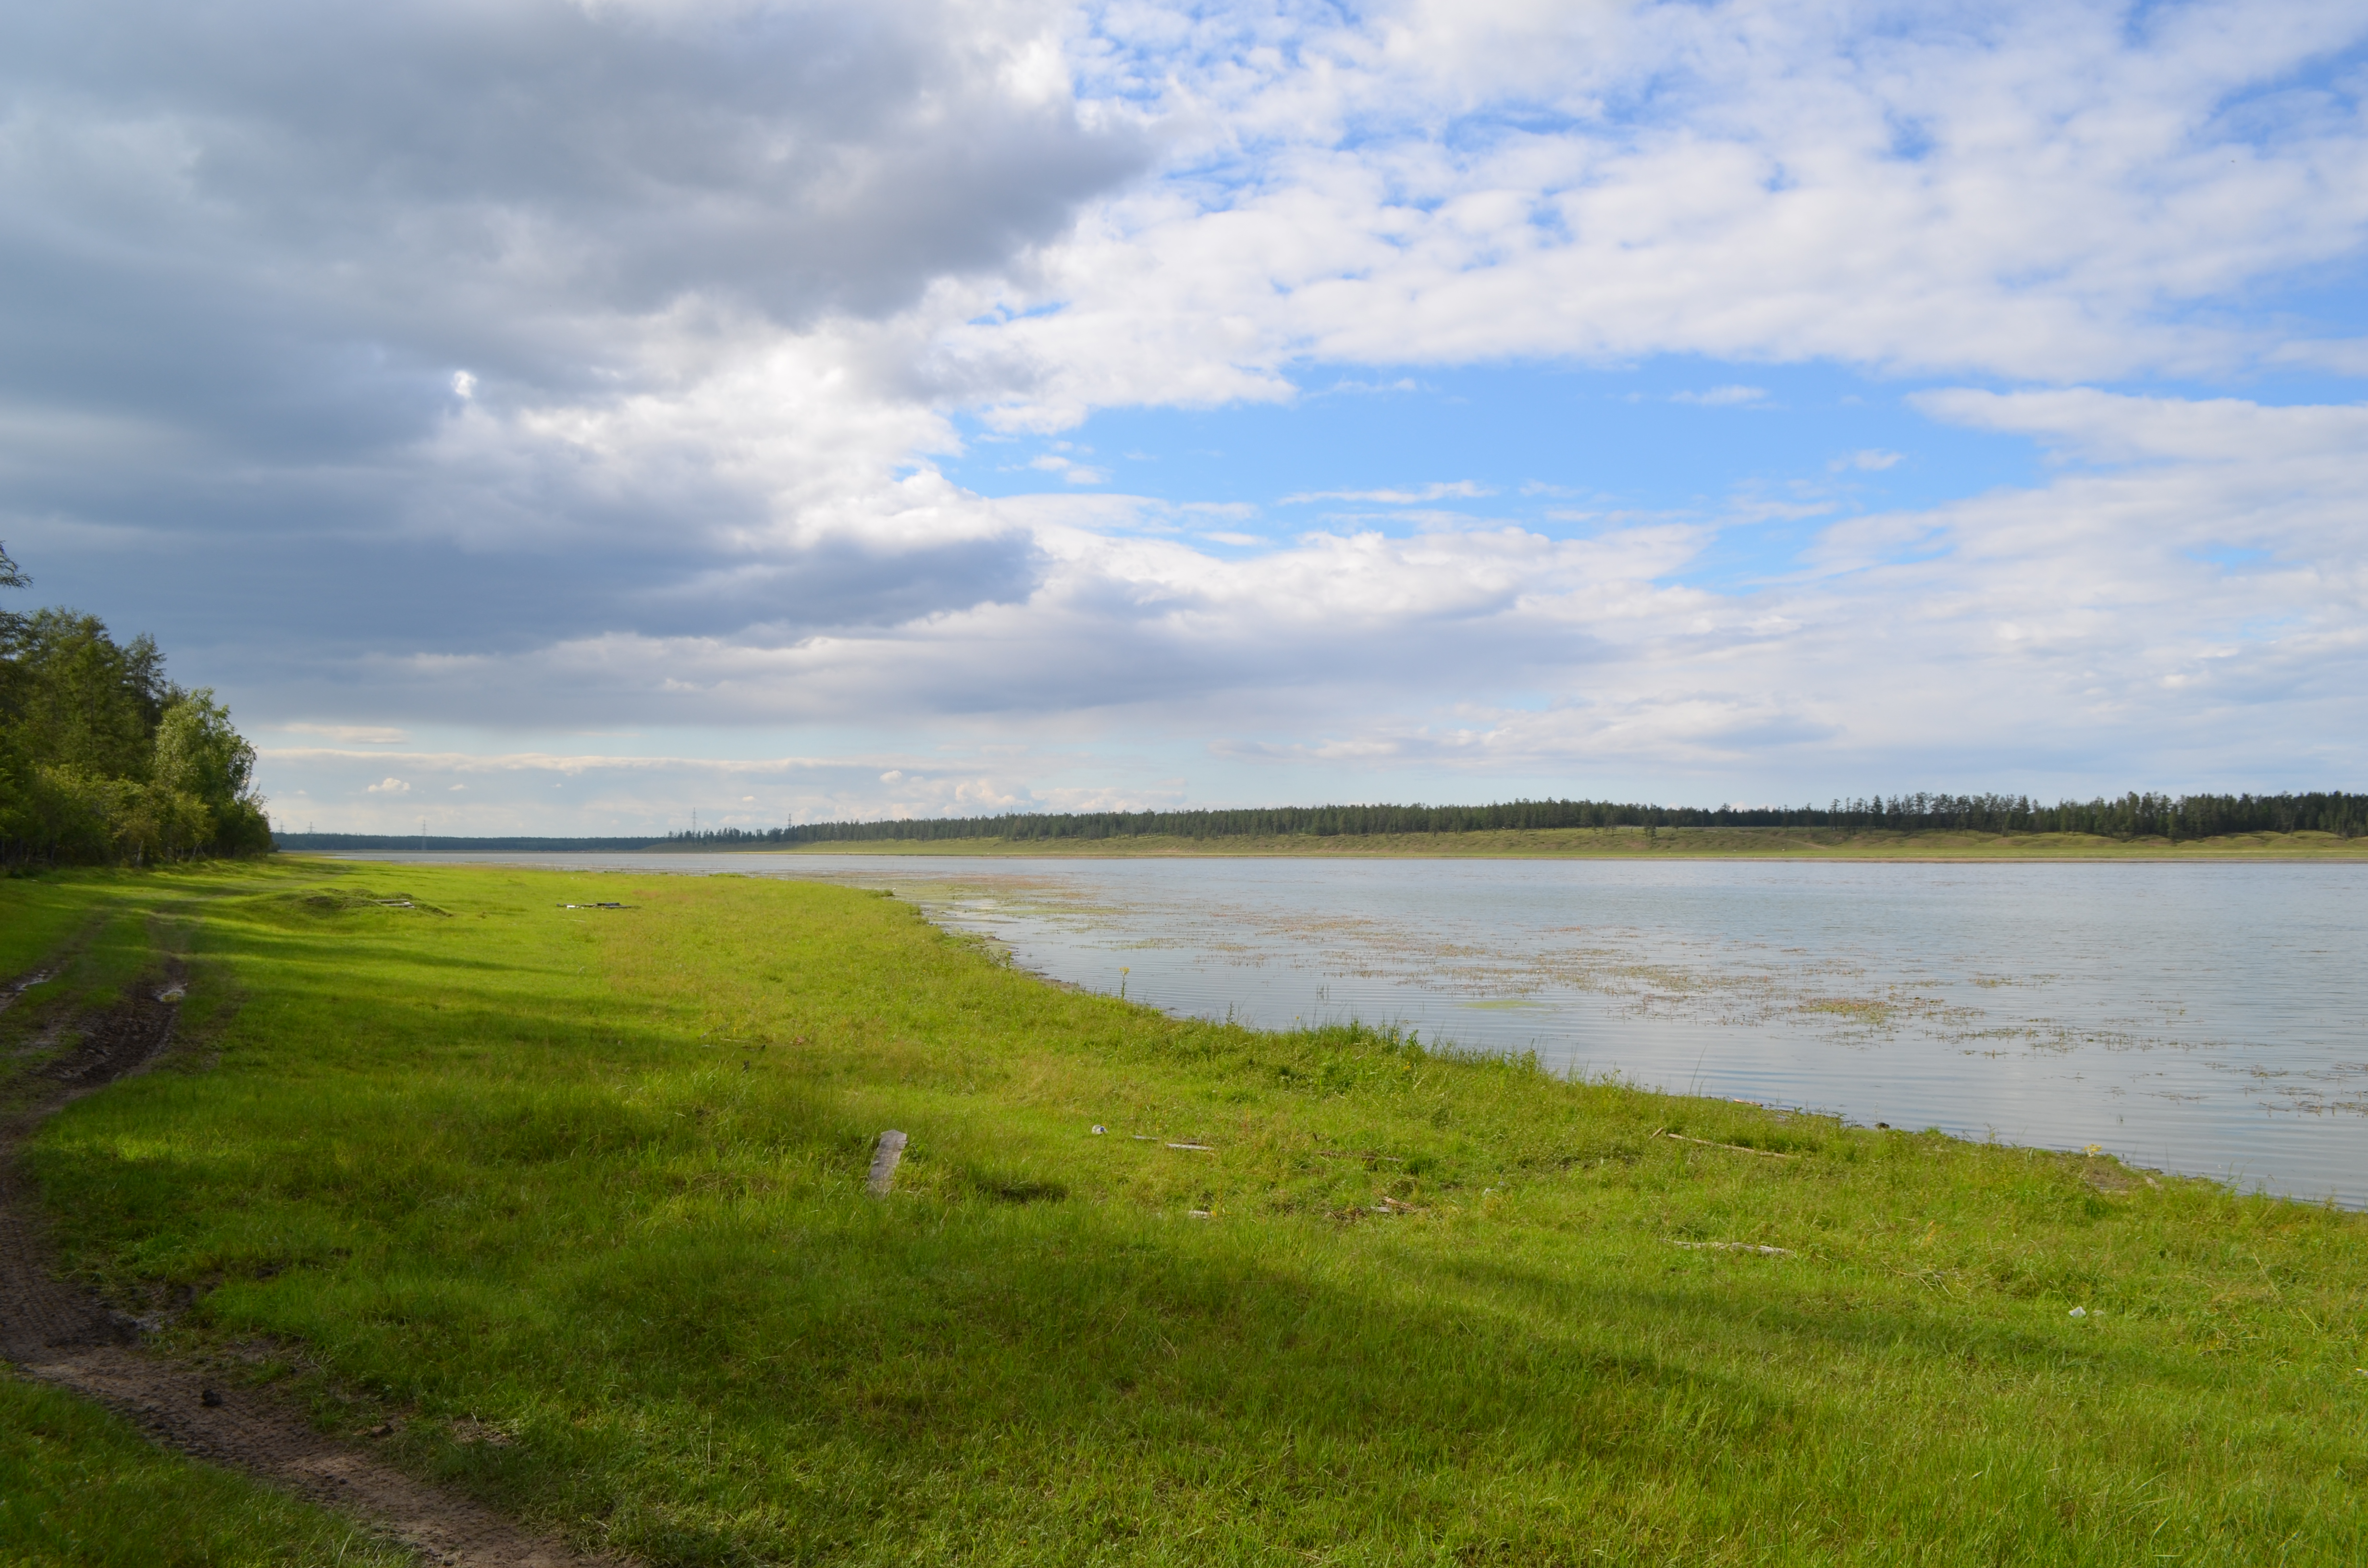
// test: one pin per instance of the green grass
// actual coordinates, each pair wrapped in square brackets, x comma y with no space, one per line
[79,1486]
[579,1194]
[1625,843]
[44,912]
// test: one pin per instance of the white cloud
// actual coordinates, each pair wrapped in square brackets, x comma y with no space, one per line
[730,281]
[2109,427]
[1069,469]
[1463,488]
[2040,197]
[2079,616]
[377,734]
[1722,397]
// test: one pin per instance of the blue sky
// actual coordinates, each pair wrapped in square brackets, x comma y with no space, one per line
[1566,452]
[539,417]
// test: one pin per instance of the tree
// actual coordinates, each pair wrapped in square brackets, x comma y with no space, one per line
[82,699]
[199,759]
[102,758]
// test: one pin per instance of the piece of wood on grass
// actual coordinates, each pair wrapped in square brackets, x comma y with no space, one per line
[883,1164]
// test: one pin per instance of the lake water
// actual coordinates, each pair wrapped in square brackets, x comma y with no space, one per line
[2206,1020]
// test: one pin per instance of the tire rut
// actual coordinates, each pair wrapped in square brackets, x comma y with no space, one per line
[54,1332]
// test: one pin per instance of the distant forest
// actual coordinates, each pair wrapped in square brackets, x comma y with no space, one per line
[102,759]
[514,844]
[2130,816]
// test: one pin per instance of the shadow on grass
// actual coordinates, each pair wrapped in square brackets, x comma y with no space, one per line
[736,1365]
[651,1274]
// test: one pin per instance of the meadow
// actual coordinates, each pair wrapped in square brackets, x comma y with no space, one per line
[570,1200]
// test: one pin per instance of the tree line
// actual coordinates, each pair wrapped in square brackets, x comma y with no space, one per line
[283,839]
[2133,815]
[103,759]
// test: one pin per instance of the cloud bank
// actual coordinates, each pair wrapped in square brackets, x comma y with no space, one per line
[500,371]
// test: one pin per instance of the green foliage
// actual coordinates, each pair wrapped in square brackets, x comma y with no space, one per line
[103,759]
[206,770]
[577,1194]
[82,700]
[198,754]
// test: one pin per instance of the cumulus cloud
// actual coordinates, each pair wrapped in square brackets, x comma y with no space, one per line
[534,364]
[2037,195]
[2086,601]
[602,301]
[506,172]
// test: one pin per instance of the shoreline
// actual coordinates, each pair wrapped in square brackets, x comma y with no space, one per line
[566,1201]
[1630,844]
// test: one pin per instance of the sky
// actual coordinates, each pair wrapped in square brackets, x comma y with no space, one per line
[568,416]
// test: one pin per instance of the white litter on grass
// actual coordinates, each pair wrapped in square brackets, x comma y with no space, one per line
[2079,1312]
[1737,1246]
[1099,1130]
[172,994]
[1200,1213]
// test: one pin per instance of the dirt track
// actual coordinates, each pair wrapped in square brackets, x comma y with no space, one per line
[56,1333]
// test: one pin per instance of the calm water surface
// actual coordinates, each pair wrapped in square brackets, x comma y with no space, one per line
[2205,1019]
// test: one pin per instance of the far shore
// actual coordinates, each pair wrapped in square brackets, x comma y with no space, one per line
[1636,842]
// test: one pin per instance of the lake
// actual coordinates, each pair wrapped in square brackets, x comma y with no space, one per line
[2210,1020]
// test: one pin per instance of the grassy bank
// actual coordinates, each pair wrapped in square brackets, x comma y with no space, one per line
[1625,843]
[575,1195]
